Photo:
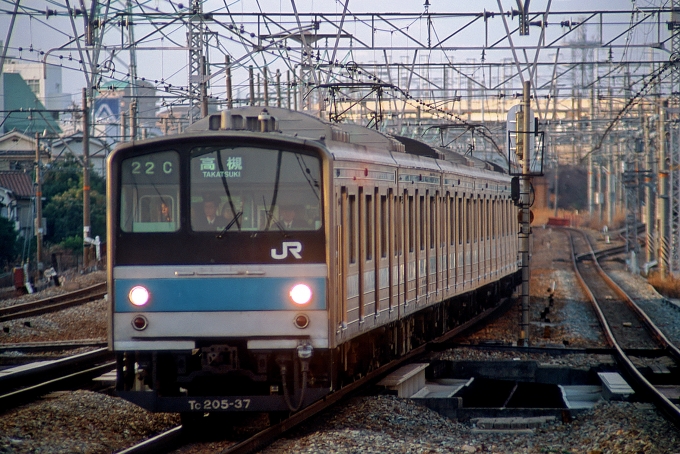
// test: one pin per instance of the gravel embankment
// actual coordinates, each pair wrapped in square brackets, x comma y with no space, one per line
[387,424]
[94,423]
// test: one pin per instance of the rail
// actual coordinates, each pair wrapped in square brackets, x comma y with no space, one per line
[53,303]
[660,400]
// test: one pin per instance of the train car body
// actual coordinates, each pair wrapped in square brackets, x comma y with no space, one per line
[332,250]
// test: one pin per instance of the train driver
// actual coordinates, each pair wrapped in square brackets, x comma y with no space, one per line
[289,220]
[209,221]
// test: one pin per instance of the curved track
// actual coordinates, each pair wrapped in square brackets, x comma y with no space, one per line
[627,329]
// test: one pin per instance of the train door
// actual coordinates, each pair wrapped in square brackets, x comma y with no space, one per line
[460,238]
[421,252]
[504,219]
[469,229]
[479,210]
[474,272]
[495,224]
[410,248]
[349,233]
[342,264]
[366,257]
[486,245]
[397,220]
[432,241]
[452,242]
[481,240]
[382,249]
[449,245]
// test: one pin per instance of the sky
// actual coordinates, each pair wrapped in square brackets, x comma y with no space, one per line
[162,56]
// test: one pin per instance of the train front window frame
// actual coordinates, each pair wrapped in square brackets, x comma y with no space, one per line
[149,198]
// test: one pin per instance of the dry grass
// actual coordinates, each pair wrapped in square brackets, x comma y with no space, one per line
[668,286]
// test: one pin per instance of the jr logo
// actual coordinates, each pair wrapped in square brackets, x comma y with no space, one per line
[294,247]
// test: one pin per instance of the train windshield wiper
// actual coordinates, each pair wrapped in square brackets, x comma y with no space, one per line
[228,226]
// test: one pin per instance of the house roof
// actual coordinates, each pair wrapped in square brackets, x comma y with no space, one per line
[15,140]
[19,96]
[19,183]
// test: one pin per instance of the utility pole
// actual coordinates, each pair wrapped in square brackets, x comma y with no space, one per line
[227,69]
[673,151]
[86,179]
[525,224]
[204,90]
[199,65]
[662,204]
[133,120]
[251,84]
[38,210]
[265,84]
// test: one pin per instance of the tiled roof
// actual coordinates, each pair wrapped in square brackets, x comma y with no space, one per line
[19,183]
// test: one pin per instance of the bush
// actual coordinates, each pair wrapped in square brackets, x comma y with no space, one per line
[8,242]
[668,286]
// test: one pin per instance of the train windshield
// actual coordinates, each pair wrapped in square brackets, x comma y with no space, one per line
[254,189]
[150,193]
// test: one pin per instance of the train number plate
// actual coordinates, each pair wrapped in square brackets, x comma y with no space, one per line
[219,404]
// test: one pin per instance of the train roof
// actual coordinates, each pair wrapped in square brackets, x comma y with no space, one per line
[303,125]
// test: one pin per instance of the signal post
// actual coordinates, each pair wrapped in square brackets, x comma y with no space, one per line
[525,213]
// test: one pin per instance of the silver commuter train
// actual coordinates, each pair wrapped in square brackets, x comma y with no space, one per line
[332,249]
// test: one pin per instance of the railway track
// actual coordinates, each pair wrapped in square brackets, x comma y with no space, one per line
[27,347]
[25,383]
[53,303]
[640,348]
[175,438]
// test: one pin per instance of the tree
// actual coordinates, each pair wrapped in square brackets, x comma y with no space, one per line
[8,242]
[63,209]
[66,174]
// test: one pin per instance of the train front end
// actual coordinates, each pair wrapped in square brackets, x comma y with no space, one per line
[218,275]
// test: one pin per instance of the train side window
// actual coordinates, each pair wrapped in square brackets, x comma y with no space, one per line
[452,225]
[398,223]
[459,218]
[494,227]
[352,231]
[369,227]
[411,230]
[433,222]
[421,222]
[383,230]
[149,200]
[487,213]
[468,219]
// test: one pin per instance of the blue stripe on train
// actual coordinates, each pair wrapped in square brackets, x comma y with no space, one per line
[229,294]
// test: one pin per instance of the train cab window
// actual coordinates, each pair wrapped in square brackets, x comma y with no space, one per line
[149,200]
[254,189]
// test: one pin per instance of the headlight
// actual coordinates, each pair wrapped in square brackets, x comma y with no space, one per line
[138,296]
[301,294]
